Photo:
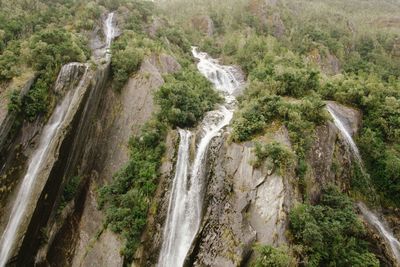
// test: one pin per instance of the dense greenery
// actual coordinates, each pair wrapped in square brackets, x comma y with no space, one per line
[379,140]
[185,97]
[330,233]
[130,193]
[281,156]
[127,56]
[283,57]
[269,256]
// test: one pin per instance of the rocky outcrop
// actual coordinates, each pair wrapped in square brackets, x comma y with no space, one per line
[244,205]
[328,62]
[203,24]
[61,151]
[11,160]
[278,27]
[121,116]
[330,157]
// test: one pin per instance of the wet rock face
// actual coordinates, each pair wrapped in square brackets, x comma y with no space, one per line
[244,205]
[69,77]
[330,157]
[121,115]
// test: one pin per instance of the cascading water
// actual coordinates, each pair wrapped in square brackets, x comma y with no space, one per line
[369,216]
[383,230]
[109,32]
[37,162]
[19,213]
[346,135]
[186,199]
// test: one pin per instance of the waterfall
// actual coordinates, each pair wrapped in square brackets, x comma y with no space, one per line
[19,213]
[109,33]
[382,229]
[186,199]
[346,135]
[369,216]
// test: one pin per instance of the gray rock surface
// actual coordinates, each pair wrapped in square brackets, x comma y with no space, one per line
[121,117]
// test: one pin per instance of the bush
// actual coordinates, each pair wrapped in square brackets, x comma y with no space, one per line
[14,104]
[330,233]
[280,155]
[124,63]
[273,257]
[36,101]
[8,65]
[52,48]
[185,97]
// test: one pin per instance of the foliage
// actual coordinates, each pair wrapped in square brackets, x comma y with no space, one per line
[8,65]
[330,233]
[126,59]
[185,97]
[54,47]
[131,191]
[273,257]
[15,101]
[280,155]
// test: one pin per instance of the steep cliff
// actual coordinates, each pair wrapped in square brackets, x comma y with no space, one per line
[82,240]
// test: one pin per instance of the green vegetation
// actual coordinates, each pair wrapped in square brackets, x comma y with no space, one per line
[291,49]
[269,256]
[296,55]
[330,233]
[185,97]
[132,189]
[281,156]
[69,191]
[127,57]
[379,140]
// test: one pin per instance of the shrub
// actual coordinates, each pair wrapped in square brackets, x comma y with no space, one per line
[273,257]
[52,48]
[8,65]
[14,104]
[330,233]
[124,63]
[185,97]
[36,101]
[280,155]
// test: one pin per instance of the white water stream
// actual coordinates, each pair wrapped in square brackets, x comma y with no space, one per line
[346,135]
[19,213]
[109,32]
[383,231]
[186,199]
[370,217]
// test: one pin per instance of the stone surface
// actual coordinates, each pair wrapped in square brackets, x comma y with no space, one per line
[244,205]
[121,117]
[203,24]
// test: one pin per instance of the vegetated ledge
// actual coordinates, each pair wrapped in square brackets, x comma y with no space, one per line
[65,152]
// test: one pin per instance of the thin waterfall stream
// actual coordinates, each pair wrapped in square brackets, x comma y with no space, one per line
[372,218]
[186,198]
[19,215]
[37,162]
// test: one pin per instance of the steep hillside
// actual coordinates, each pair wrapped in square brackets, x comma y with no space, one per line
[200,133]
